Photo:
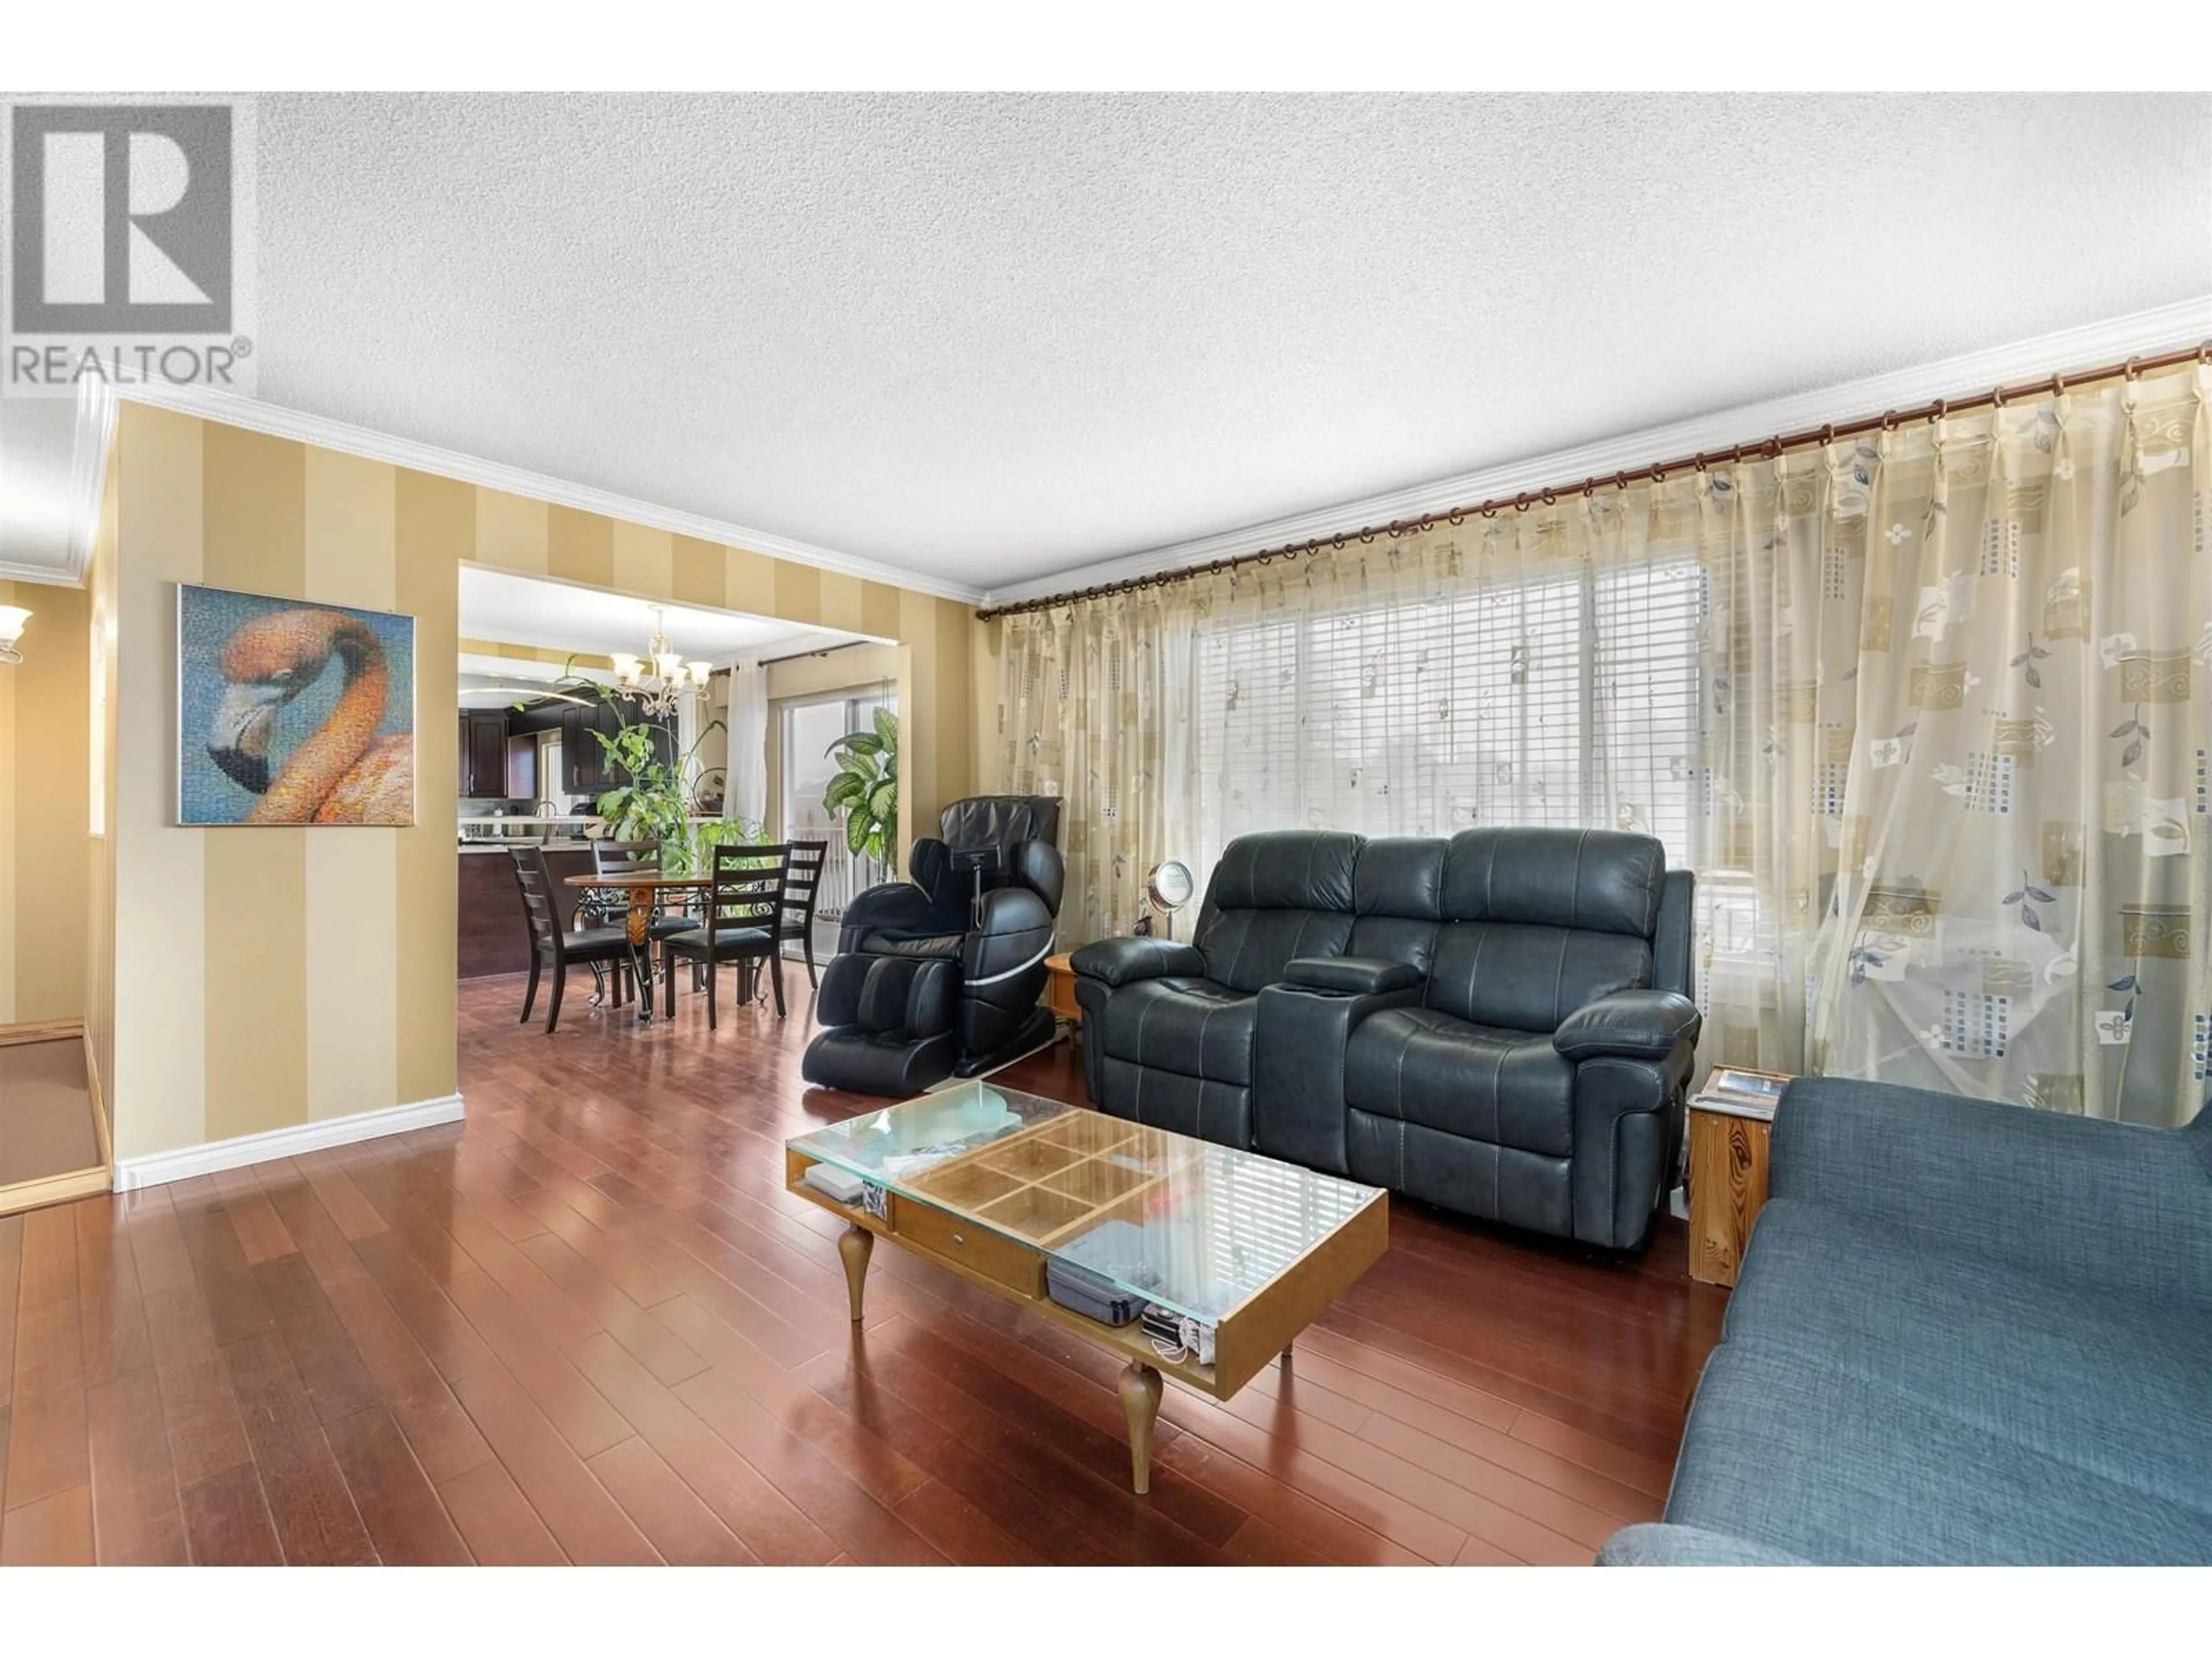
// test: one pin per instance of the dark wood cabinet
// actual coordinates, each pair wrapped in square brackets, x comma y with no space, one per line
[584,768]
[580,761]
[483,753]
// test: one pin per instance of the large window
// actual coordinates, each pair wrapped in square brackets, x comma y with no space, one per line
[1568,703]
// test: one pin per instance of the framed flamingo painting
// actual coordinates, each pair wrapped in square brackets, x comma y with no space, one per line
[293,712]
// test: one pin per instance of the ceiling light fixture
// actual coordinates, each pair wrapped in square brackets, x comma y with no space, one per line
[661,680]
[12,618]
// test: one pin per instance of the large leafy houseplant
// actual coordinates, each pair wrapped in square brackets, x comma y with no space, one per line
[865,789]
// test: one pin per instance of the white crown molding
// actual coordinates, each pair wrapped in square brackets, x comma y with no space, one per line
[256,415]
[2142,334]
[92,434]
[159,1168]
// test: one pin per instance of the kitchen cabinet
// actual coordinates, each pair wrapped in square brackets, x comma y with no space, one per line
[483,753]
[584,768]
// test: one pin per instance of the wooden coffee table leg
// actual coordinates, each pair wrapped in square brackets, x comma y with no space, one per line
[855,1247]
[1140,1404]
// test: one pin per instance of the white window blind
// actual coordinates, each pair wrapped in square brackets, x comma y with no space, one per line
[1570,702]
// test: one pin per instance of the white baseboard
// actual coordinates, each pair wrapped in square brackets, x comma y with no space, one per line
[159,1168]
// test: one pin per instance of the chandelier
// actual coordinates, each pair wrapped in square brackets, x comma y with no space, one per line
[661,679]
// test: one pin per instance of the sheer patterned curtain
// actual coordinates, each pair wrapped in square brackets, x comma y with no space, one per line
[1086,713]
[2023,887]
[1927,712]
[746,793]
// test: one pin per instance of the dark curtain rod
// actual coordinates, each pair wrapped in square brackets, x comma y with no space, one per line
[1771,447]
[800,656]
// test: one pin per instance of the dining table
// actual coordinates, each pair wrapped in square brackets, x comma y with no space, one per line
[643,889]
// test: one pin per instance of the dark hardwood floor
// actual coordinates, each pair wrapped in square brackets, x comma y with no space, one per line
[590,1326]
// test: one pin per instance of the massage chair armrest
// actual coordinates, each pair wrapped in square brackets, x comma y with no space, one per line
[1629,1025]
[1037,866]
[1300,1037]
[887,904]
[1350,976]
[1012,930]
[1124,961]
[928,863]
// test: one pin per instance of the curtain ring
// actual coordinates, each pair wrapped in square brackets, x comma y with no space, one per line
[2133,370]
[1457,518]
[1548,499]
[1699,458]
[1826,436]
[1889,420]
[1997,397]
[2204,354]
[1738,460]
[1589,488]
[1366,533]
[1658,475]
[1337,541]
[1620,481]
[1943,407]
[1521,503]
[2057,384]
[1489,512]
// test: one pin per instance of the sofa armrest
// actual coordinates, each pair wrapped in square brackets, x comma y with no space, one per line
[1632,1053]
[1657,1544]
[1633,1025]
[1120,961]
[1300,1036]
[1350,976]
[2105,1205]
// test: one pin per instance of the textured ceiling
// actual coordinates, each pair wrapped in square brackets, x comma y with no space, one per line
[993,337]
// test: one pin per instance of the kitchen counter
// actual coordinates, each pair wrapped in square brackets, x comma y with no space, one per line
[501,843]
[492,935]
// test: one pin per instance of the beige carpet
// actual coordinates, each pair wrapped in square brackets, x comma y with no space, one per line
[45,1112]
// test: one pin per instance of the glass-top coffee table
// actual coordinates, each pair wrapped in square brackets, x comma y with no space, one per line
[1228,1254]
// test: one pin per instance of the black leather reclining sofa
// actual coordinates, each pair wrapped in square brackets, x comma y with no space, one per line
[942,973]
[1500,1024]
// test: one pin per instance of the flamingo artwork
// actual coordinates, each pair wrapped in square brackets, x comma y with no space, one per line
[257,659]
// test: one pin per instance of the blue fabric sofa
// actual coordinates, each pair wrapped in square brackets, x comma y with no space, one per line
[1963,1332]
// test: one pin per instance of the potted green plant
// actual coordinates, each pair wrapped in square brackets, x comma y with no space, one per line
[865,789]
[653,803]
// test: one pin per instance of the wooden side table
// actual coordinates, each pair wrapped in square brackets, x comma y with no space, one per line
[1728,1184]
[1060,993]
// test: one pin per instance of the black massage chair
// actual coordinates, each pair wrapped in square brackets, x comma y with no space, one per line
[942,973]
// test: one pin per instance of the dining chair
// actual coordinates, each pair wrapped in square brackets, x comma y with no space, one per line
[800,892]
[743,908]
[557,948]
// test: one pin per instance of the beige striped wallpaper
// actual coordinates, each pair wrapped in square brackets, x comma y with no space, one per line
[267,977]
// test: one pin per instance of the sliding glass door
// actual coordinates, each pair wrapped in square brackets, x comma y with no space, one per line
[809,727]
